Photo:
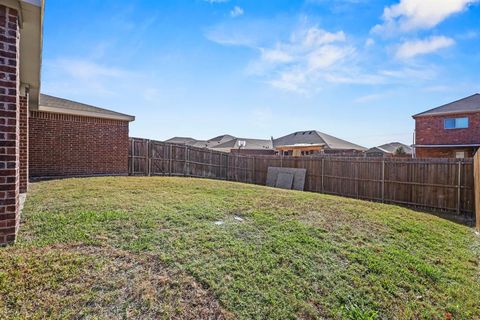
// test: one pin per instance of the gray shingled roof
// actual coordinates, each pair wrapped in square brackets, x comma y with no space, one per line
[316,138]
[60,105]
[224,142]
[391,148]
[468,104]
[181,140]
[250,144]
[223,138]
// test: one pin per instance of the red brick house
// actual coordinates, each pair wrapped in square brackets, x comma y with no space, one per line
[20,60]
[69,138]
[449,131]
[40,135]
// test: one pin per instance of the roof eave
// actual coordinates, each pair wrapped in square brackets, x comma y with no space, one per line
[31,46]
[445,145]
[121,117]
[443,113]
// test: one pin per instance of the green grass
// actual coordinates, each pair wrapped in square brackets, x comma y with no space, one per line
[108,248]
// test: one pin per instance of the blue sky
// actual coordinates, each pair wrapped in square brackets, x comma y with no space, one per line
[356,69]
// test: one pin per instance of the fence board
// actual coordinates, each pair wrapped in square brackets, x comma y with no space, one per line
[438,184]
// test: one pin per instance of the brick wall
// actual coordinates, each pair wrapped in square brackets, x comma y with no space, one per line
[69,145]
[430,130]
[443,152]
[23,152]
[9,128]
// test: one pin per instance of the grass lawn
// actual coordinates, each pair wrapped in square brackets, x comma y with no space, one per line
[148,248]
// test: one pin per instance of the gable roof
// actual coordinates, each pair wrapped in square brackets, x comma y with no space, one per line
[391,148]
[64,106]
[313,137]
[465,105]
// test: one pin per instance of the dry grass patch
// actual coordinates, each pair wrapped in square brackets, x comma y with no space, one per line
[78,282]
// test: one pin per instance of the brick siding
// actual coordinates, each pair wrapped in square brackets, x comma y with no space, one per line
[430,130]
[69,145]
[443,152]
[9,128]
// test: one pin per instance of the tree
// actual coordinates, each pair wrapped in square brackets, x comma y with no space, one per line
[400,151]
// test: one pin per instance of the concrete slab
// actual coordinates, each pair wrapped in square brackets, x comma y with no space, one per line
[284,180]
[298,182]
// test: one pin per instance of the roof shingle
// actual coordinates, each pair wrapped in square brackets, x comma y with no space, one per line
[313,137]
[59,105]
[465,105]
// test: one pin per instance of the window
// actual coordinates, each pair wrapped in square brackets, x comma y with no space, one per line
[456,123]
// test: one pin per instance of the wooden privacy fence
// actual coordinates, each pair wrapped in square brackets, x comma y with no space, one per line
[445,185]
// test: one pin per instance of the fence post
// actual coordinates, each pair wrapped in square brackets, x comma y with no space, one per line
[210,167]
[323,174]
[145,143]
[383,180]
[170,159]
[149,157]
[459,187]
[186,160]
[254,174]
[226,167]
[476,179]
[357,182]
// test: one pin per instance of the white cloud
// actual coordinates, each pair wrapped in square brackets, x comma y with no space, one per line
[409,15]
[369,42]
[84,69]
[308,56]
[415,48]
[275,56]
[327,56]
[291,80]
[85,75]
[406,75]
[236,12]
[216,1]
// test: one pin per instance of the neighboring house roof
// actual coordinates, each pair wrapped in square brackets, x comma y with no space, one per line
[221,139]
[248,144]
[391,148]
[465,105]
[313,137]
[224,142]
[181,140]
[200,144]
[64,106]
